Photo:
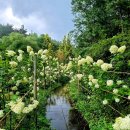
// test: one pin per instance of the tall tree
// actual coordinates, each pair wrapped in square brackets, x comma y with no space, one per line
[45,39]
[65,49]
[99,19]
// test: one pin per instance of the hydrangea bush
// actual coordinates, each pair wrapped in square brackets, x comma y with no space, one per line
[17,79]
[105,84]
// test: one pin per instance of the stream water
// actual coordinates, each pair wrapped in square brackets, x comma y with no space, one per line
[61,114]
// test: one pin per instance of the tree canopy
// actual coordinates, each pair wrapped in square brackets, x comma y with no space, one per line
[99,19]
[5,30]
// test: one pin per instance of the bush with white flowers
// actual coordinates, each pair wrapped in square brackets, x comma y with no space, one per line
[18,79]
[103,84]
[122,123]
[101,81]
[113,49]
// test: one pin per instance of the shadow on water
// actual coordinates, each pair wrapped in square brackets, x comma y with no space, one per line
[61,114]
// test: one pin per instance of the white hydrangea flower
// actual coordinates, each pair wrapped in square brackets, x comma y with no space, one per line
[125,86]
[17,93]
[129,97]
[13,64]
[18,107]
[106,66]
[30,107]
[44,57]
[40,52]
[26,110]
[122,123]
[109,82]
[90,77]
[45,51]
[20,51]
[29,69]
[31,53]
[119,82]
[20,58]
[94,81]
[18,82]
[14,88]
[117,100]
[82,61]
[36,53]
[1,113]
[19,100]
[125,124]
[35,103]
[99,62]
[41,73]
[10,53]
[25,80]
[89,59]
[116,126]
[109,66]
[69,66]
[11,93]
[113,49]
[79,76]
[13,78]
[90,83]
[29,49]
[122,49]
[94,63]
[11,103]
[115,91]
[38,80]
[96,85]
[105,102]
[88,97]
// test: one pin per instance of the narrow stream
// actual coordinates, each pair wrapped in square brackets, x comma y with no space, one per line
[61,114]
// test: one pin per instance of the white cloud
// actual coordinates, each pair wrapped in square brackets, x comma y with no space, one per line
[31,22]
[35,24]
[8,17]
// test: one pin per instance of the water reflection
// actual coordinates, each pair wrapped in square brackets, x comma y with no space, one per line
[61,114]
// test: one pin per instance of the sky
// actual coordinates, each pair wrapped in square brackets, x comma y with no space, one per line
[53,17]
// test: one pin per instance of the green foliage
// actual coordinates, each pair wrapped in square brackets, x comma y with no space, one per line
[5,30]
[89,110]
[65,50]
[16,41]
[100,49]
[99,19]
[88,97]
[16,81]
